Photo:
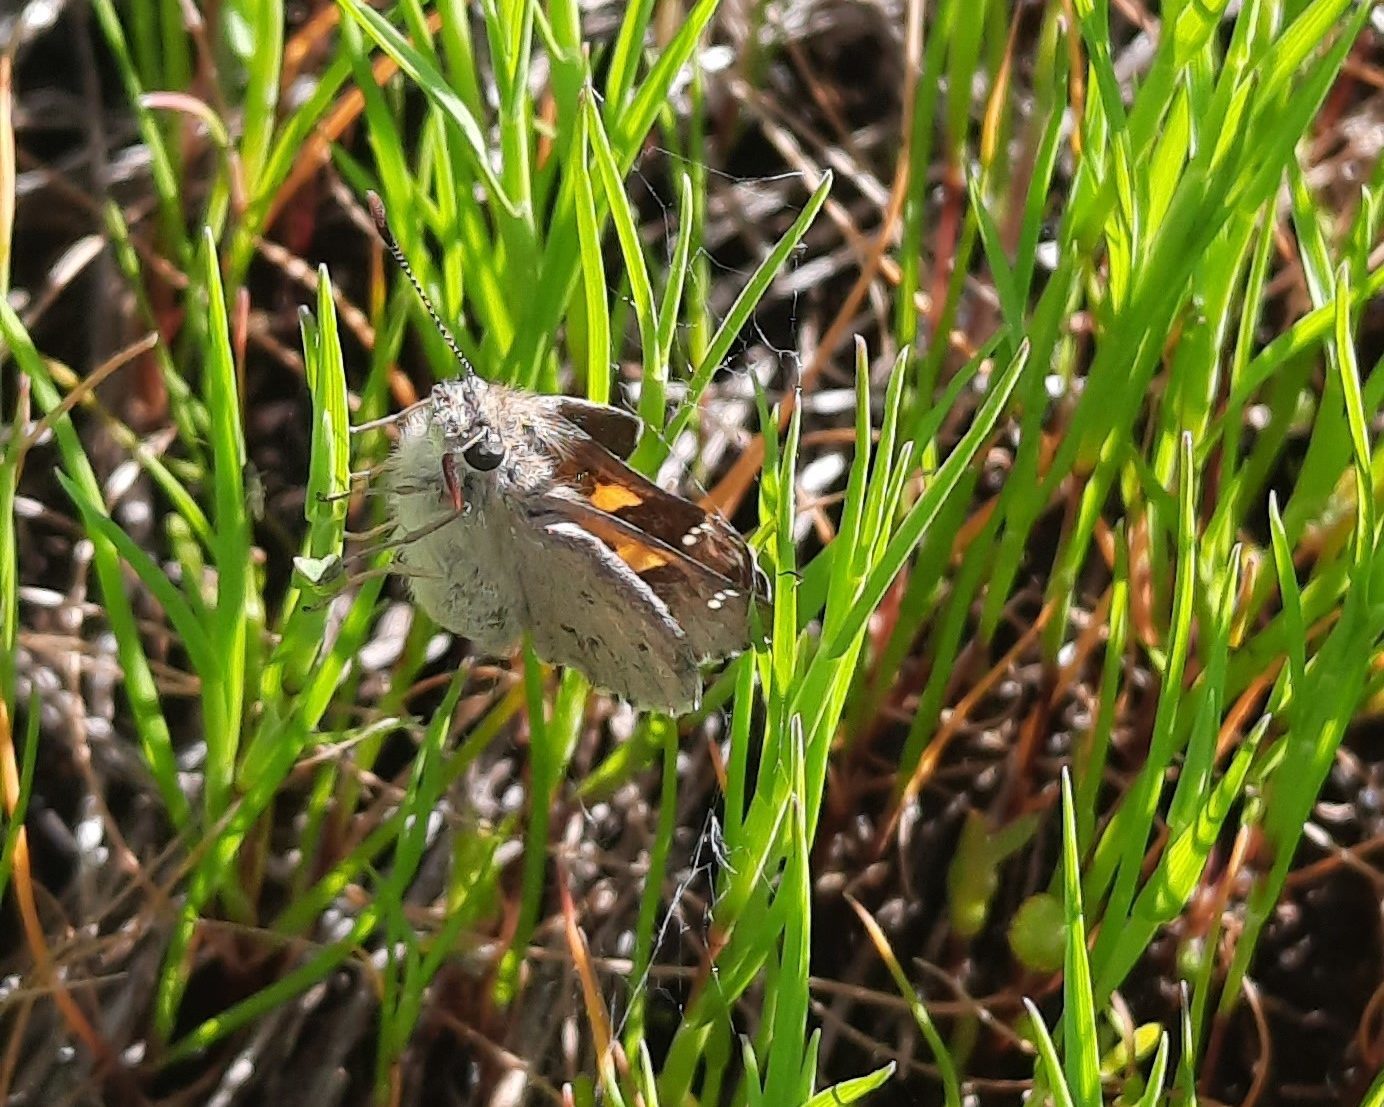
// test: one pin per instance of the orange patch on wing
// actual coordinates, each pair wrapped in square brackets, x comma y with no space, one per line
[612,497]
[639,557]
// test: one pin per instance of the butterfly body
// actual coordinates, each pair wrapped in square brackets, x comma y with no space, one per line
[516,512]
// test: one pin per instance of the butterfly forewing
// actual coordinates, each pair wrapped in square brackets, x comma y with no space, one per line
[609,486]
[615,429]
[692,559]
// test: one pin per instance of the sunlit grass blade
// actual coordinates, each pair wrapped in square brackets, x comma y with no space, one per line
[941,1054]
[911,528]
[740,312]
[1082,1068]
[166,183]
[1121,849]
[1365,531]
[597,319]
[1052,1073]
[1290,597]
[425,75]
[854,1090]
[1153,1090]
[655,375]
[1179,870]
[237,605]
[789,1029]
[557,274]
[625,54]
[140,688]
[651,397]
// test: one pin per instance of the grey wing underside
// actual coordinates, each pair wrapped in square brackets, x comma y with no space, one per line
[714,612]
[588,610]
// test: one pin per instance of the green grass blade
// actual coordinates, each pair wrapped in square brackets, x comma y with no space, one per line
[740,312]
[1082,1068]
[597,328]
[1047,1054]
[655,371]
[922,514]
[235,602]
[141,690]
[426,76]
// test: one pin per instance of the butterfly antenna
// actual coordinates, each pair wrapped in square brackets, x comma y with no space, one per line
[382,225]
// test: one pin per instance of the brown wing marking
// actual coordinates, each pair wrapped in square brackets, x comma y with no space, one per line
[611,427]
[608,485]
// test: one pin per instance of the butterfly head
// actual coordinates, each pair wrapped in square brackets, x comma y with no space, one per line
[467,438]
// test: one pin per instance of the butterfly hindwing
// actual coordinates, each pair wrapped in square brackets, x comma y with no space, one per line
[589,610]
[712,609]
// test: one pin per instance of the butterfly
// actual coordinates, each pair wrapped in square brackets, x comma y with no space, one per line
[515,513]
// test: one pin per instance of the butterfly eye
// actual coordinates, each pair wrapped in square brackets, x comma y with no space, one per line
[484,455]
